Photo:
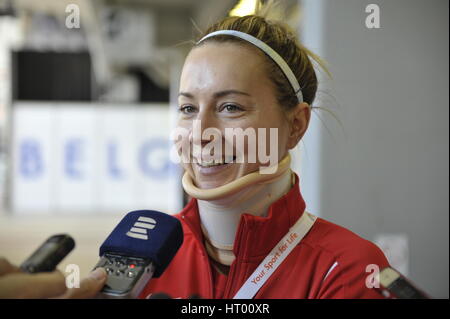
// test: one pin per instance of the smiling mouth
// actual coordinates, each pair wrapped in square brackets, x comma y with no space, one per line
[216,162]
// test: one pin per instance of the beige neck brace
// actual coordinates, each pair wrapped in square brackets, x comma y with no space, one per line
[220,209]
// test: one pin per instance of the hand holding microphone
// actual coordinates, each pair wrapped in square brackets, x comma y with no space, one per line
[16,284]
[37,277]
[140,247]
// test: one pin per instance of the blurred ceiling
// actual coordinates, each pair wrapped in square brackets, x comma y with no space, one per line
[169,24]
[201,11]
[151,35]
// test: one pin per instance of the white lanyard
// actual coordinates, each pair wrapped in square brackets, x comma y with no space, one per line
[276,257]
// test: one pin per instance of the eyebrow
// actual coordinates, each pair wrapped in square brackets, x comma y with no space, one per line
[216,94]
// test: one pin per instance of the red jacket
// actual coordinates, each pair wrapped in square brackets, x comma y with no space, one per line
[329,262]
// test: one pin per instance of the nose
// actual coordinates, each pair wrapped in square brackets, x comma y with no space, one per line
[205,124]
[205,129]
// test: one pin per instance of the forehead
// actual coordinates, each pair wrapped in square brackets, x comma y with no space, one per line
[223,65]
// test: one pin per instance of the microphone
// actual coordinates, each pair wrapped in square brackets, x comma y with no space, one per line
[160,295]
[49,254]
[396,286]
[139,248]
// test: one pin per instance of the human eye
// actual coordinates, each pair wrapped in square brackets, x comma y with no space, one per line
[230,108]
[187,109]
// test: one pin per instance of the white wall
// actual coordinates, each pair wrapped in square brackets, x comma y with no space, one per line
[388,174]
[74,158]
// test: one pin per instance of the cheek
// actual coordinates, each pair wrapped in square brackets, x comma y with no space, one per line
[180,139]
[271,136]
[277,138]
[183,123]
[272,139]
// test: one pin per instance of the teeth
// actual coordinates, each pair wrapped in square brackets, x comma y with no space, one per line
[211,163]
[215,162]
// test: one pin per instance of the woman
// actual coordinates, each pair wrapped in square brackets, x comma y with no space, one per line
[259,78]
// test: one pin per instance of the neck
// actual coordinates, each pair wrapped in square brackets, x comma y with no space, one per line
[220,218]
[220,215]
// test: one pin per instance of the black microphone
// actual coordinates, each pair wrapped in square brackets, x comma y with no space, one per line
[160,295]
[396,286]
[49,254]
[139,248]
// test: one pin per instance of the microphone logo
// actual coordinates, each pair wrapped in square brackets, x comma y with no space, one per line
[139,229]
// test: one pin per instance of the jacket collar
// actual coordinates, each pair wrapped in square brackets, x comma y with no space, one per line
[256,236]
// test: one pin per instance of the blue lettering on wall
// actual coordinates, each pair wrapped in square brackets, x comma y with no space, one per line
[30,157]
[73,156]
[152,166]
[113,168]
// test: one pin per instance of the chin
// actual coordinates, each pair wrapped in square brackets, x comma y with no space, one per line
[211,181]
[209,185]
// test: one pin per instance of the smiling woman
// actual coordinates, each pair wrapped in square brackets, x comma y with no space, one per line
[250,74]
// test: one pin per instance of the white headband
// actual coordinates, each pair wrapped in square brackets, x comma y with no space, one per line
[267,50]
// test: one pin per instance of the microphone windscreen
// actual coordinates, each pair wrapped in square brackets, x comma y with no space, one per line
[146,234]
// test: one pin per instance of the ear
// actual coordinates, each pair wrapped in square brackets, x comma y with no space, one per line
[299,120]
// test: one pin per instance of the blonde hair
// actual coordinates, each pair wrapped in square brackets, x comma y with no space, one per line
[281,38]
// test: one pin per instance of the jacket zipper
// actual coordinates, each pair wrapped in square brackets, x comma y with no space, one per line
[236,265]
[205,256]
